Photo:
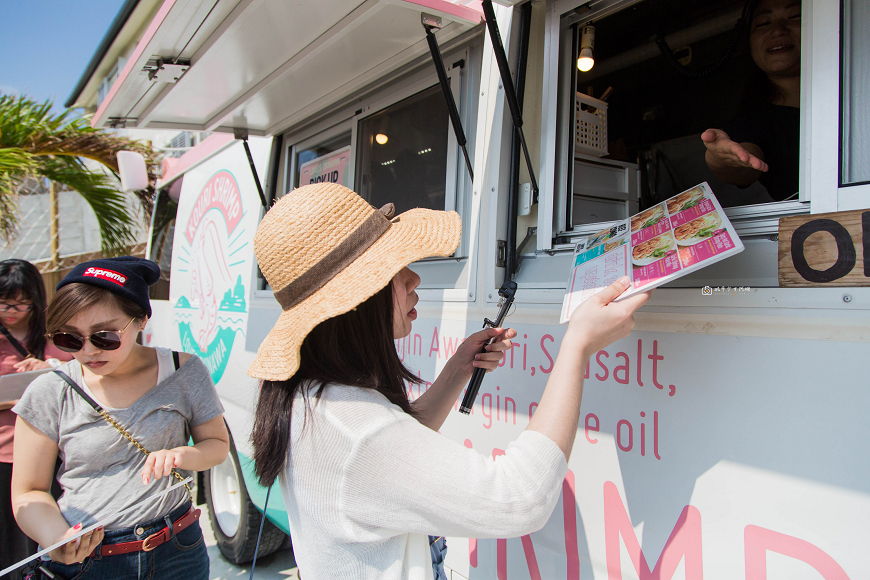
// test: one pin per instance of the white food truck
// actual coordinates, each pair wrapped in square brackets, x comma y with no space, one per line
[725,438]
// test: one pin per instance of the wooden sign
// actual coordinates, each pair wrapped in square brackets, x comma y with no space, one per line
[826,249]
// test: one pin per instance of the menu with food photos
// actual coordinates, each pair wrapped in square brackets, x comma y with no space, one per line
[671,239]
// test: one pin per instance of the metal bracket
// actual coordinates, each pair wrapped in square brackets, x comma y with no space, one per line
[500,253]
[121,122]
[431,21]
[166,69]
[530,233]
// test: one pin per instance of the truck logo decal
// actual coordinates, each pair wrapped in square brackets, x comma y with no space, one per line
[221,192]
[213,308]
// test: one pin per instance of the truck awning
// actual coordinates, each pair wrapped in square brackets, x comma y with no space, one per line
[264,65]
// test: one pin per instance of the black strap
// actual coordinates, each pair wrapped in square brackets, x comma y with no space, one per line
[260,533]
[14,341]
[85,396]
[79,390]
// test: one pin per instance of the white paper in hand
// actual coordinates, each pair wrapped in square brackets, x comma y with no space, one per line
[89,529]
[12,385]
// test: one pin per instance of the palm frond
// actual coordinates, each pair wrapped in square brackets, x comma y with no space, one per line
[8,207]
[16,161]
[34,141]
[110,207]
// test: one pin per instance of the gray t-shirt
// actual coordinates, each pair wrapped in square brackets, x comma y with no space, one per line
[100,469]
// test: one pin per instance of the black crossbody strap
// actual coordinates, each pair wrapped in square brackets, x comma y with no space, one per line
[79,390]
[175,360]
[14,341]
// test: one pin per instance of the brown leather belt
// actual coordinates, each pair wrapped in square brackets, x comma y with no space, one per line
[153,540]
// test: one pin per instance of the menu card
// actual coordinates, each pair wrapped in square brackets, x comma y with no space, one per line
[671,239]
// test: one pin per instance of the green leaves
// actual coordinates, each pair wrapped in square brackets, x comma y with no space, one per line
[109,205]
[706,232]
[691,203]
[35,142]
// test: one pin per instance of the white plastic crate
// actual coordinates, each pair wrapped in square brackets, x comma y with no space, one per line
[590,129]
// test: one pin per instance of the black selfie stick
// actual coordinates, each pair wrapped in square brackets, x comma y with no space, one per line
[506,292]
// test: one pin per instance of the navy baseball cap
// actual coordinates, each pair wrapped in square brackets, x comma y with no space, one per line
[125,276]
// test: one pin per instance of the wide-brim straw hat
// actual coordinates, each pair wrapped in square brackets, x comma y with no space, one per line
[324,250]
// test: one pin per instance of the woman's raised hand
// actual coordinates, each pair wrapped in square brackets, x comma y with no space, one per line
[599,321]
[468,355]
[594,324]
[723,153]
[76,550]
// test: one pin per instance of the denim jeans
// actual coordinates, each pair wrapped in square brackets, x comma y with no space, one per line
[438,548]
[183,556]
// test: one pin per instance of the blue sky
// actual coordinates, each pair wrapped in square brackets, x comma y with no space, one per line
[46,44]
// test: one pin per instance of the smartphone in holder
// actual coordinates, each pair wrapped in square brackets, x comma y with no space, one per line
[507,292]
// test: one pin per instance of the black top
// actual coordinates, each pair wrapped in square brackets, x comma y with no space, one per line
[776,130]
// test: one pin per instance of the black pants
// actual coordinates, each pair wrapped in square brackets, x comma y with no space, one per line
[14,544]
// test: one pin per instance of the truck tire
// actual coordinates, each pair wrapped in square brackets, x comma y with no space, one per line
[234,518]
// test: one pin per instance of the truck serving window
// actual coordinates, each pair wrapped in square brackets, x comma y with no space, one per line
[665,71]
[626,133]
[402,153]
[324,159]
[393,143]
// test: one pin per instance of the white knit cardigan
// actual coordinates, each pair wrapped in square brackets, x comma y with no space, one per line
[366,483]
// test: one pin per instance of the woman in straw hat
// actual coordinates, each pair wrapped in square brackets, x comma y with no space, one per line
[366,478]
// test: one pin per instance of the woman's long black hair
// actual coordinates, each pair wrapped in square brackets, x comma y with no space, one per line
[354,349]
[21,279]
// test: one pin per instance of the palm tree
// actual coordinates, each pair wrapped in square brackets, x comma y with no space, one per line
[36,143]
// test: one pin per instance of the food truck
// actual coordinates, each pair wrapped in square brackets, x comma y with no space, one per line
[725,437]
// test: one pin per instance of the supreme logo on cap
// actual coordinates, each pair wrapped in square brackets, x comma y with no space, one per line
[110,275]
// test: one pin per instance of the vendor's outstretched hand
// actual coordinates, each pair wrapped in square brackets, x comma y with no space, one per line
[468,356]
[724,153]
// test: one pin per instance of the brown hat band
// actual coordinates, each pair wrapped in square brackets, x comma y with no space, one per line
[340,257]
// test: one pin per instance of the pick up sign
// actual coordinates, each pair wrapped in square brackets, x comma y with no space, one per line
[827,249]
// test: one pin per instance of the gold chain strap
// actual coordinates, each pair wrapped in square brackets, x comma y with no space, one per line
[130,438]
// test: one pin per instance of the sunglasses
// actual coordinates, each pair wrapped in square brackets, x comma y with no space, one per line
[103,340]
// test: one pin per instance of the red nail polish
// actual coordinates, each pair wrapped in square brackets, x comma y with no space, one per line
[78,527]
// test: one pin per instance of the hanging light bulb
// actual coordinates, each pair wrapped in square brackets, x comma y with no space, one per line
[381,139]
[587,43]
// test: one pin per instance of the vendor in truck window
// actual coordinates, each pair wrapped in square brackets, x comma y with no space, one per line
[761,143]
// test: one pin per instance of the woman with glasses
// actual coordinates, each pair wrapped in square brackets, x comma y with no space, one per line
[120,415]
[22,348]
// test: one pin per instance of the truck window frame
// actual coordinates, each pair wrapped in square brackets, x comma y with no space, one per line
[847,98]
[448,279]
[559,23]
[819,158]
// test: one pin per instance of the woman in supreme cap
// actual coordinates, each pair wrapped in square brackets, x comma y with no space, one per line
[120,416]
